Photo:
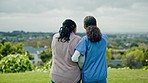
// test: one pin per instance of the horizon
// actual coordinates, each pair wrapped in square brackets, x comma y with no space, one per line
[77,32]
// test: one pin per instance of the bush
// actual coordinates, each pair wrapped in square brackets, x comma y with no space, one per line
[45,68]
[8,48]
[46,55]
[15,63]
[1,56]
[145,68]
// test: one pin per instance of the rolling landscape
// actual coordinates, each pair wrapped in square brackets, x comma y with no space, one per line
[127,56]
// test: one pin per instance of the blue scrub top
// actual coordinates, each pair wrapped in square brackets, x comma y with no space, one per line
[95,66]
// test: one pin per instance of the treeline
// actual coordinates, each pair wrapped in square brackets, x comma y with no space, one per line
[21,36]
[124,41]
[23,33]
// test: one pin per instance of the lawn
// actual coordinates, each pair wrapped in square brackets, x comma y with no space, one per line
[114,76]
[127,76]
[27,77]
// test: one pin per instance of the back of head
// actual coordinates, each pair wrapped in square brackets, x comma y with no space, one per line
[89,21]
[92,31]
[67,27]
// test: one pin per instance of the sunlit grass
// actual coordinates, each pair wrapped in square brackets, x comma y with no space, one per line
[127,76]
[114,76]
[27,77]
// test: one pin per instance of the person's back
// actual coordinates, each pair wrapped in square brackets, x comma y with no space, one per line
[63,69]
[93,48]
[94,68]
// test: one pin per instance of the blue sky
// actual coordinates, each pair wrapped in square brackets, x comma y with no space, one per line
[113,16]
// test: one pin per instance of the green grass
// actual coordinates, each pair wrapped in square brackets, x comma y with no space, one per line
[27,77]
[114,76]
[127,76]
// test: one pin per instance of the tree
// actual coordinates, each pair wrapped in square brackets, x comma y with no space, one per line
[145,61]
[1,46]
[144,47]
[19,48]
[108,54]
[118,56]
[46,55]
[134,58]
[7,48]
[29,55]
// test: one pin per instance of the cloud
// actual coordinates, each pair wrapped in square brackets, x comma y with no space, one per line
[37,6]
[47,15]
[46,21]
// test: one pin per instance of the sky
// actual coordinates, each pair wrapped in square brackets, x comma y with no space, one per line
[113,16]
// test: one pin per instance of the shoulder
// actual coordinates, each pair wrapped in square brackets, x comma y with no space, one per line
[56,35]
[104,36]
[78,37]
[75,37]
[84,39]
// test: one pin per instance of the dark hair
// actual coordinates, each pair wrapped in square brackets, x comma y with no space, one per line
[89,21]
[67,27]
[92,31]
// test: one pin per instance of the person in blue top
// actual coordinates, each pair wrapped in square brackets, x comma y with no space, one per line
[92,49]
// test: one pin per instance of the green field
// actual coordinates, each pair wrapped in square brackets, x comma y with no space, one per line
[114,76]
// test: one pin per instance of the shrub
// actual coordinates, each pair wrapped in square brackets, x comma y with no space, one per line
[46,55]
[45,68]
[1,56]
[15,63]
[145,68]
